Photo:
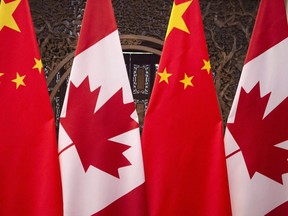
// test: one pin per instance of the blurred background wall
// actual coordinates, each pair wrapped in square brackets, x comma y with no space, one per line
[228,26]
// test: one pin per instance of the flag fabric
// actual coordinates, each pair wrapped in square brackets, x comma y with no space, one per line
[99,140]
[257,129]
[30,181]
[183,146]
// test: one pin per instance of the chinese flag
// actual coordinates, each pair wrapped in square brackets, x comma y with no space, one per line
[257,130]
[183,145]
[30,181]
[99,141]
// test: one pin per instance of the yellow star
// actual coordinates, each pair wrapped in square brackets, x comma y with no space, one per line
[207,66]
[187,81]
[19,80]
[38,65]
[176,20]
[164,76]
[6,18]
[1,74]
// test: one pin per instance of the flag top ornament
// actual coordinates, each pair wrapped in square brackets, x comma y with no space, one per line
[30,181]
[99,141]
[256,134]
[182,137]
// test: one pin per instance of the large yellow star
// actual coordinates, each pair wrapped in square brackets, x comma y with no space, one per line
[6,18]
[187,81]
[19,80]
[38,65]
[207,66]
[176,20]
[164,76]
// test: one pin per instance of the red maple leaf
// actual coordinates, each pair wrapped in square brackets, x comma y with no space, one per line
[280,210]
[90,132]
[257,135]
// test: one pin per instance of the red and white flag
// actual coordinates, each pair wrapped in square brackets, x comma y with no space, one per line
[256,139]
[99,140]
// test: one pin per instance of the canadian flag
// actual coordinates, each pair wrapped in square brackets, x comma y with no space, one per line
[256,138]
[99,141]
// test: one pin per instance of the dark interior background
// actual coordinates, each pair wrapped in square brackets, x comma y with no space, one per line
[228,27]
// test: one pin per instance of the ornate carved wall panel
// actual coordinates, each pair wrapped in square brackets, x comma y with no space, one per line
[228,26]
[145,17]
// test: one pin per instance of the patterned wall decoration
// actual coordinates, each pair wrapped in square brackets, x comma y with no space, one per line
[228,26]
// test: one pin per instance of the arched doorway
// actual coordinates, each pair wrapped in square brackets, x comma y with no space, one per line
[141,54]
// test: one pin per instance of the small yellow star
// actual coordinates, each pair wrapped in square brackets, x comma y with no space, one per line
[19,80]
[6,18]
[187,81]
[1,74]
[207,66]
[176,20]
[38,65]
[164,76]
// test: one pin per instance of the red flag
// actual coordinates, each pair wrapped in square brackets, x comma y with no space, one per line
[99,140]
[30,181]
[257,132]
[183,145]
